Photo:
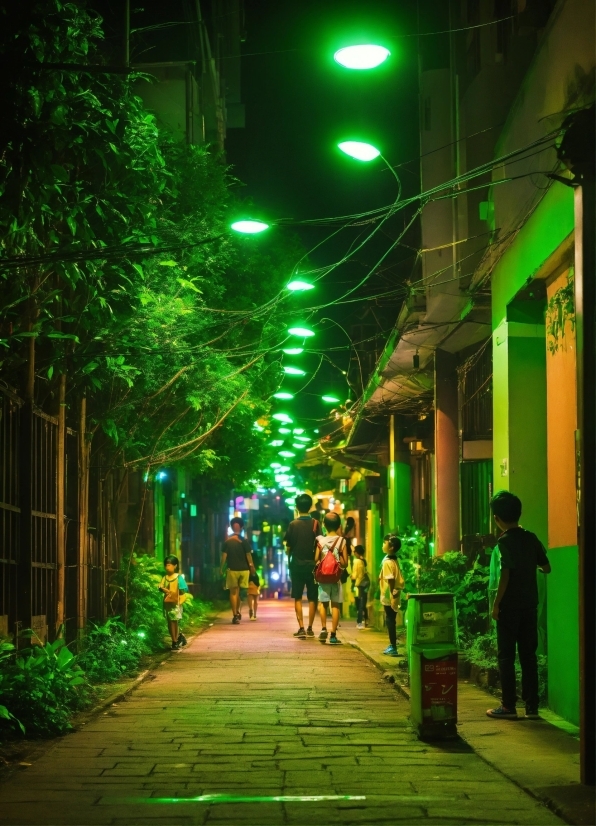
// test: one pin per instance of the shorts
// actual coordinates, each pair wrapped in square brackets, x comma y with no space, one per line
[237,579]
[173,612]
[303,577]
[332,591]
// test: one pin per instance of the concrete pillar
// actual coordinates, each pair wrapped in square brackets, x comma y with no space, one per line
[519,419]
[446,454]
[400,480]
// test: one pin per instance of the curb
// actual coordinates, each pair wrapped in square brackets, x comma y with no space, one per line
[402,689]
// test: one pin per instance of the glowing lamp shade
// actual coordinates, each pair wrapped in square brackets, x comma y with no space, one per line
[287,454]
[275,465]
[276,443]
[298,430]
[358,150]
[293,351]
[363,56]
[283,395]
[249,227]
[283,417]
[303,438]
[330,399]
[283,468]
[301,332]
[298,446]
[284,430]
[297,286]
[294,371]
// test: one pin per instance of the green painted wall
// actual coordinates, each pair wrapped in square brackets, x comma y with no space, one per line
[563,633]
[546,229]
[399,496]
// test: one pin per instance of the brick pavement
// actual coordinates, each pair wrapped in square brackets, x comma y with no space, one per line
[250,712]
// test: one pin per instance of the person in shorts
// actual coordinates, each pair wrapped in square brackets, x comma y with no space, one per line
[331,592]
[300,541]
[254,590]
[173,583]
[236,554]
[391,584]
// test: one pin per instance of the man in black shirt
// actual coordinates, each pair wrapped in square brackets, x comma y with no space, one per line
[515,606]
[237,553]
[300,544]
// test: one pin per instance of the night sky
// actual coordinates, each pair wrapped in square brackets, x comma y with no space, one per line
[299,105]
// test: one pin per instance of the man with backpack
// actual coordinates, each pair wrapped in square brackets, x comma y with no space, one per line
[331,558]
[300,541]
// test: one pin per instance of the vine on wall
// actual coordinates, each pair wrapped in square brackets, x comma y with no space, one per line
[560,310]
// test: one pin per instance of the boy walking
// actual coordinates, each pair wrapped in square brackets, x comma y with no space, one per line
[300,541]
[332,593]
[236,551]
[391,584]
[515,606]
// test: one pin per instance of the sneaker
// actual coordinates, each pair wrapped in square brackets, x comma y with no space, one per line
[333,640]
[182,641]
[532,714]
[323,635]
[391,651]
[310,632]
[502,713]
[238,616]
[253,618]
[236,621]
[175,646]
[360,626]
[300,633]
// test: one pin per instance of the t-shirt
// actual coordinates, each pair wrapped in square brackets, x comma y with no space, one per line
[326,543]
[169,581]
[300,539]
[236,549]
[389,570]
[521,553]
[358,571]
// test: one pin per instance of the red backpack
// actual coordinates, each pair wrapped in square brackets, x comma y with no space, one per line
[328,570]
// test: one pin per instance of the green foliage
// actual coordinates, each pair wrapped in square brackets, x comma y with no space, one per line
[41,687]
[413,556]
[111,651]
[560,310]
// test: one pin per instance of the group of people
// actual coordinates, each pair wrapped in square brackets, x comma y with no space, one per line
[514,608]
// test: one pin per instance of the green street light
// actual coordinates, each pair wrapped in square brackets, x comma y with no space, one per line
[283,395]
[276,443]
[283,417]
[249,227]
[303,438]
[297,286]
[363,56]
[359,150]
[284,430]
[293,351]
[284,468]
[287,453]
[298,446]
[294,371]
[301,332]
[298,430]
[330,399]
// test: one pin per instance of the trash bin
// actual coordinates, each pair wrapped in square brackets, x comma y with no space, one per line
[432,657]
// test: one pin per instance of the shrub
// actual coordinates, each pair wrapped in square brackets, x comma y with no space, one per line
[41,687]
[111,651]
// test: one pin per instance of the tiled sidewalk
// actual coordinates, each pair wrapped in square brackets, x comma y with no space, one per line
[289,731]
[538,756]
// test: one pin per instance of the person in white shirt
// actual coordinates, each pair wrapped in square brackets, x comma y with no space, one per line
[391,584]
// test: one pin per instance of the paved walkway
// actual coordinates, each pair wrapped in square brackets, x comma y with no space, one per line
[250,712]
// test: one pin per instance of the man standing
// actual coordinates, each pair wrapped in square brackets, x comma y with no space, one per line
[300,541]
[236,551]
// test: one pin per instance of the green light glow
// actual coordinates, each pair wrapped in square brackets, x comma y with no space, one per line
[275,465]
[285,430]
[298,430]
[283,417]
[287,454]
[303,438]
[294,371]
[249,227]
[298,446]
[141,634]
[330,399]
[360,151]
[301,332]
[283,468]
[233,798]
[293,351]
[363,56]
[283,395]
[276,443]
[258,427]
[297,286]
